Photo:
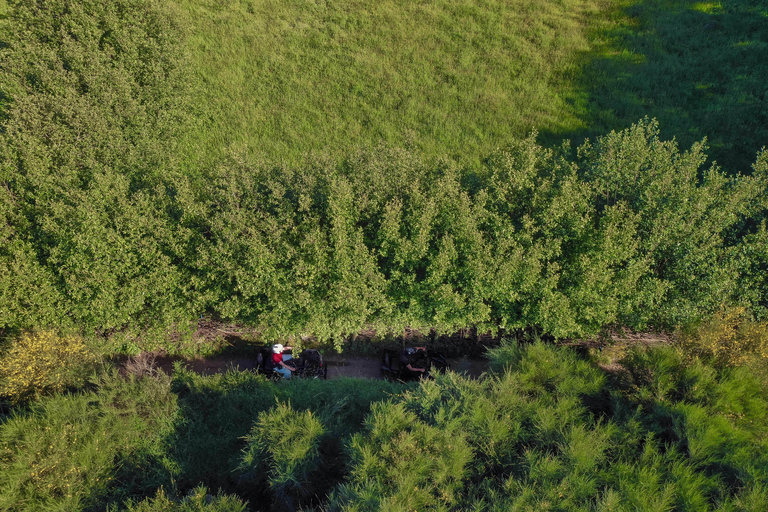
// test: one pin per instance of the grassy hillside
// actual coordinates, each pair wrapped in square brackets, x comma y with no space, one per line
[456,78]
[461,77]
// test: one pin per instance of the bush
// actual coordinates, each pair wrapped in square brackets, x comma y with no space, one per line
[402,463]
[81,451]
[541,369]
[729,338]
[198,500]
[43,362]
[285,444]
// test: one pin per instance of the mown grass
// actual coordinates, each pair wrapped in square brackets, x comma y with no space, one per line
[455,78]
[460,78]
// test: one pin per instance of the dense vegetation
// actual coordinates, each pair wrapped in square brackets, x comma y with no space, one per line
[318,168]
[107,227]
[546,430]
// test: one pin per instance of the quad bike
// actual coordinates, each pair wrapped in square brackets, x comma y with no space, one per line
[393,369]
[309,365]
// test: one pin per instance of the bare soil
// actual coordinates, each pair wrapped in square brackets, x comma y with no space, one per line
[339,366]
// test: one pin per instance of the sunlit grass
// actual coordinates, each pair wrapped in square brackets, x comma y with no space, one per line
[456,78]
[707,7]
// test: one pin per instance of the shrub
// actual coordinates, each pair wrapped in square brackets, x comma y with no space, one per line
[541,369]
[198,500]
[81,451]
[285,444]
[729,338]
[43,362]
[403,463]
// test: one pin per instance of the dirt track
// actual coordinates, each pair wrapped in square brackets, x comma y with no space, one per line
[338,365]
[347,364]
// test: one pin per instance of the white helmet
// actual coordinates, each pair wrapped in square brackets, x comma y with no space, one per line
[277,348]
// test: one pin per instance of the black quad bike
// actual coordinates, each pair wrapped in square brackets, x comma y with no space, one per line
[309,364]
[394,367]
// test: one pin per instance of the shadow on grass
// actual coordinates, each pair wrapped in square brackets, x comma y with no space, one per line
[218,411]
[699,67]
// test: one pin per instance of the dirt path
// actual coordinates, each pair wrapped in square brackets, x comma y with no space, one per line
[358,365]
[370,367]
[339,365]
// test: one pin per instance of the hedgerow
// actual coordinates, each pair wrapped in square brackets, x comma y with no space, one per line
[105,228]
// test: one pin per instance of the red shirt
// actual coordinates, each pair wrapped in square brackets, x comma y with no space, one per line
[277,358]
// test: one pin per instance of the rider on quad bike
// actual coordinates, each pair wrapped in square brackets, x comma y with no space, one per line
[415,362]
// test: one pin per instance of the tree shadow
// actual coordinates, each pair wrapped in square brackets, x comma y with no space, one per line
[217,412]
[699,67]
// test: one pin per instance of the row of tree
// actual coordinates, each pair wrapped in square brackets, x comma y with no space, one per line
[104,225]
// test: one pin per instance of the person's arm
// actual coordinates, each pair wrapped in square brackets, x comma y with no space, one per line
[422,370]
[287,366]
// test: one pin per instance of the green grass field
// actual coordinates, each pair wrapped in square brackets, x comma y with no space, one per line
[459,78]
[455,78]
[698,67]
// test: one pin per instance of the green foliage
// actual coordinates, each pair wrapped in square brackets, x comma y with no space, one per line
[72,452]
[681,219]
[705,422]
[666,439]
[402,463]
[93,101]
[220,410]
[538,369]
[544,430]
[38,363]
[624,234]
[116,219]
[285,445]
[198,500]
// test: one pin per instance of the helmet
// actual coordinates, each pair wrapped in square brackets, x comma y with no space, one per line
[277,348]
